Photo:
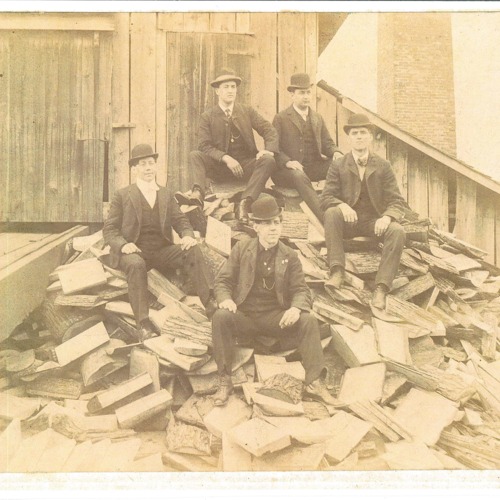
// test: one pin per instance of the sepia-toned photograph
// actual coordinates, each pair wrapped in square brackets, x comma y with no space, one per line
[249,241]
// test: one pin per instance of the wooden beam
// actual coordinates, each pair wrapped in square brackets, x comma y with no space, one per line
[23,284]
[466,220]
[57,21]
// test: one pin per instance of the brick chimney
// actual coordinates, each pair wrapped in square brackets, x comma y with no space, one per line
[415,76]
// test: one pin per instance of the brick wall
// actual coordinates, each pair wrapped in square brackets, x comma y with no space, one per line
[415,76]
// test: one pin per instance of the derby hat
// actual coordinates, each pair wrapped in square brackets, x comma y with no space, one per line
[299,81]
[225,75]
[265,208]
[139,152]
[358,120]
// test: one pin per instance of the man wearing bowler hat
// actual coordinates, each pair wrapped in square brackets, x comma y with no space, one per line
[261,290]
[139,232]
[306,148]
[226,146]
[362,198]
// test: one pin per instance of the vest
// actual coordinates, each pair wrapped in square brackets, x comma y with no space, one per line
[311,154]
[364,206]
[150,238]
[237,146]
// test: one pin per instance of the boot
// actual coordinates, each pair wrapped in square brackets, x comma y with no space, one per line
[318,391]
[224,391]
[336,277]
[243,209]
[146,330]
[378,298]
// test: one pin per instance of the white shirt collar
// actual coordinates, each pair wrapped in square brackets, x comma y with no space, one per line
[304,114]
[230,107]
[357,157]
[147,186]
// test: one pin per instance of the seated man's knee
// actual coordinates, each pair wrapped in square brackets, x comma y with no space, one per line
[299,176]
[333,213]
[222,316]
[134,263]
[266,161]
[396,231]
[196,155]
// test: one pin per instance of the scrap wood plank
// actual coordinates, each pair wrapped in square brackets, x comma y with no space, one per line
[119,455]
[349,431]
[234,457]
[363,412]
[295,458]
[89,461]
[410,261]
[191,314]
[165,349]
[419,377]
[460,245]
[196,332]
[258,437]
[187,463]
[10,440]
[336,315]
[467,443]
[12,407]
[222,419]
[309,252]
[185,438]
[218,236]
[268,366]
[81,344]
[362,262]
[356,348]
[82,275]
[120,307]
[363,383]
[392,342]
[115,394]
[311,268]
[83,301]
[415,287]
[400,328]
[55,454]
[415,315]
[312,218]
[130,415]
[276,407]
[425,414]
[158,284]
[410,456]
[55,387]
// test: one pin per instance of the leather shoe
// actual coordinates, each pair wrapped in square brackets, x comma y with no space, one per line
[336,277]
[146,331]
[243,209]
[188,198]
[317,390]
[224,391]
[378,298]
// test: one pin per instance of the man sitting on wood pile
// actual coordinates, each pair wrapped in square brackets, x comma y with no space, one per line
[227,148]
[261,290]
[361,198]
[306,147]
[139,232]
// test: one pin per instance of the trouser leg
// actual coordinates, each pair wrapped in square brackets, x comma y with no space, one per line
[334,237]
[303,335]
[199,164]
[135,268]
[193,264]
[394,242]
[257,172]
[301,182]
[224,325]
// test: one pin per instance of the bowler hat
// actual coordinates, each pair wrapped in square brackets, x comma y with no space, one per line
[265,208]
[358,120]
[139,152]
[299,81]
[225,75]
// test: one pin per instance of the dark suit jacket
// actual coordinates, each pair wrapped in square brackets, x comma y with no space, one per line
[289,127]
[214,132]
[343,185]
[123,224]
[237,275]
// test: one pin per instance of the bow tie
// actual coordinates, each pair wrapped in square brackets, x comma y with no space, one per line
[362,161]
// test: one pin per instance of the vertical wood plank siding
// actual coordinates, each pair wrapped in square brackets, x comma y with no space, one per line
[55,117]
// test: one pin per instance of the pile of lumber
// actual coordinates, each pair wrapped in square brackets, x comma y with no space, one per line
[418,383]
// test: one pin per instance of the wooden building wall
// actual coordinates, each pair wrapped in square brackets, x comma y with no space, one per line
[78,91]
[454,196]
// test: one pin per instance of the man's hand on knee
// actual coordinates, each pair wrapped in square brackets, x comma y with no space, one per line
[290,317]
[294,165]
[188,242]
[381,225]
[350,215]
[233,165]
[129,248]
[228,305]
[262,153]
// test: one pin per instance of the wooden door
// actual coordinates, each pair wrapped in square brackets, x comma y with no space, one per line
[55,98]
[192,60]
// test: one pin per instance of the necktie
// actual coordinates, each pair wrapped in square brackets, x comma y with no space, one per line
[362,162]
[228,113]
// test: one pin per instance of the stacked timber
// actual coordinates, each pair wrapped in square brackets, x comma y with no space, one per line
[417,384]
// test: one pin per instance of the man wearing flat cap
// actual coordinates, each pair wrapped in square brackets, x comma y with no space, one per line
[226,146]
[362,198]
[139,233]
[261,290]
[306,147]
